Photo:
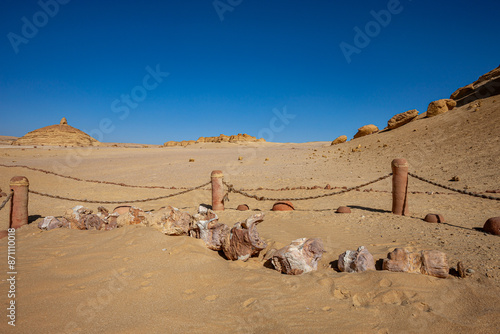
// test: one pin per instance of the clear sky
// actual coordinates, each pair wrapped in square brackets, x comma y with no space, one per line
[290,71]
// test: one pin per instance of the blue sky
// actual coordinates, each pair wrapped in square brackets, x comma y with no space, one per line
[271,68]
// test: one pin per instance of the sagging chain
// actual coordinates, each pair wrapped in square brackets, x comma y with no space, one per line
[263,198]
[465,192]
[118,202]
[9,196]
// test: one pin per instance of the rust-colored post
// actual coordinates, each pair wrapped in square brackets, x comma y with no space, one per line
[217,191]
[19,202]
[400,187]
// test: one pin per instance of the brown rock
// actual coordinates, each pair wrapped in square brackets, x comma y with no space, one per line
[440,107]
[434,263]
[49,223]
[434,218]
[171,221]
[63,121]
[283,206]
[461,92]
[401,260]
[120,210]
[402,119]
[366,130]
[134,216]
[171,144]
[242,207]
[343,209]
[339,140]
[461,270]
[213,233]
[75,217]
[492,226]
[356,261]
[244,241]
[300,257]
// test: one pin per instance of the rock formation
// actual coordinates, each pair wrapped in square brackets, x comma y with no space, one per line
[440,107]
[432,263]
[339,140]
[401,119]
[57,135]
[356,261]
[220,139]
[492,226]
[300,257]
[487,85]
[244,241]
[366,130]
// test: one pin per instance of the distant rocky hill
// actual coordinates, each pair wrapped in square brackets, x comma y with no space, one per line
[220,139]
[57,135]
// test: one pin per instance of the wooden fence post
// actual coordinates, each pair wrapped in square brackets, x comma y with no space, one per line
[400,187]
[217,190]
[19,202]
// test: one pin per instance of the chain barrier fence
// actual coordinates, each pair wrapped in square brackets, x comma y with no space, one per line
[9,196]
[230,188]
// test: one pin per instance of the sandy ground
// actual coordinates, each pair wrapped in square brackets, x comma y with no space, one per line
[137,280]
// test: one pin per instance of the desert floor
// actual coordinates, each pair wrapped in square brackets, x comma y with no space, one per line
[136,280]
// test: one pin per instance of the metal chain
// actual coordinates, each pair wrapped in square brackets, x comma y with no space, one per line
[263,198]
[9,196]
[465,192]
[91,181]
[118,202]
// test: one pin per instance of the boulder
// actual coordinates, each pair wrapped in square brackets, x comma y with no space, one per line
[434,218]
[356,261]
[461,92]
[63,121]
[244,241]
[366,130]
[283,206]
[343,209]
[300,257]
[492,226]
[171,221]
[401,119]
[440,107]
[339,140]
[432,263]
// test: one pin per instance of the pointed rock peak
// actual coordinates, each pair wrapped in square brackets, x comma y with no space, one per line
[64,121]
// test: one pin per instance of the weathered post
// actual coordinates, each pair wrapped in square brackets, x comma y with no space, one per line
[19,202]
[400,187]
[217,191]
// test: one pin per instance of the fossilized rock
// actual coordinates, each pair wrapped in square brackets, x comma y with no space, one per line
[433,263]
[93,221]
[244,241]
[134,216]
[339,140]
[50,222]
[401,119]
[492,226]
[300,257]
[171,221]
[356,261]
[366,130]
[213,233]
[440,107]
[75,217]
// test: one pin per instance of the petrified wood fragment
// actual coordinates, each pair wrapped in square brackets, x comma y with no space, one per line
[213,233]
[75,217]
[432,263]
[243,241]
[356,261]
[134,216]
[51,222]
[171,221]
[301,256]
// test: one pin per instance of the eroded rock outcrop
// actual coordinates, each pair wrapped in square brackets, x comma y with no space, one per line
[339,140]
[220,139]
[440,107]
[366,130]
[401,119]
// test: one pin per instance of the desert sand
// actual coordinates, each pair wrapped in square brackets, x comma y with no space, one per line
[136,280]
